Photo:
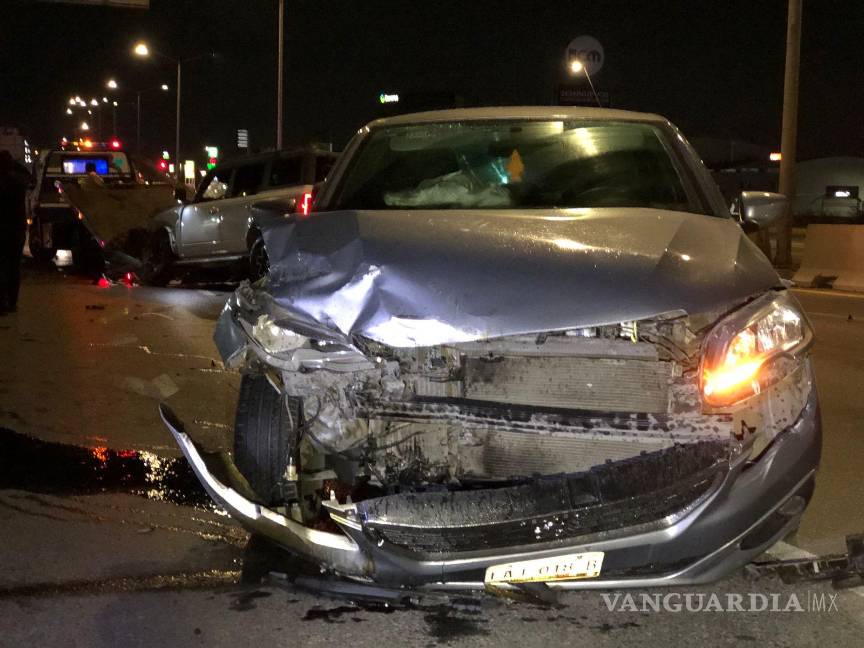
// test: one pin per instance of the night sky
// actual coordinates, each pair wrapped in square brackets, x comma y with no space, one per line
[714,67]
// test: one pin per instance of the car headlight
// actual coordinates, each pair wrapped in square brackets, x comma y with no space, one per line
[753,348]
[274,338]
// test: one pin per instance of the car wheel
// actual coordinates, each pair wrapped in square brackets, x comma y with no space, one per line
[259,262]
[266,430]
[37,250]
[158,260]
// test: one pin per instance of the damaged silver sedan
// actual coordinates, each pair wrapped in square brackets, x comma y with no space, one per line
[518,345]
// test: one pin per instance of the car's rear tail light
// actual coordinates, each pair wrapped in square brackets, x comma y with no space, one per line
[304,205]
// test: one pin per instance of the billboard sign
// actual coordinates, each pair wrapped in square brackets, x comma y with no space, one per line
[588,51]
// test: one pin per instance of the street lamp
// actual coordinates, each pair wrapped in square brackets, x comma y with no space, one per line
[164,87]
[112,84]
[576,66]
[143,50]
[85,126]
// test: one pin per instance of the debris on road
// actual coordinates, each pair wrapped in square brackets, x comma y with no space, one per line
[843,570]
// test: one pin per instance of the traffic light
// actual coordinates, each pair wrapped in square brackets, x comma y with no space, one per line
[212,156]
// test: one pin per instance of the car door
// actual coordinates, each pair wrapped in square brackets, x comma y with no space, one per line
[236,209]
[199,222]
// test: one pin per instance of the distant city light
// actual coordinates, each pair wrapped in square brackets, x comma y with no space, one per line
[842,193]
[94,102]
[141,49]
[85,126]
[165,86]
[775,157]
[68,111]
[112,84]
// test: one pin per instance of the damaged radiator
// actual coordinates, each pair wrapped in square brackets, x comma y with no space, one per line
[610,384]
[565,372]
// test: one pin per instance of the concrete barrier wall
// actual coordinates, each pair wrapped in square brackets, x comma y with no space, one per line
[833,253]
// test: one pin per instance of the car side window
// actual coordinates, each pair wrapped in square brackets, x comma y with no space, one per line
[286,171]
[215,185]
[247,180]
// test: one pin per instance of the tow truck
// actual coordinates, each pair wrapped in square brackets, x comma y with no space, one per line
[55,228]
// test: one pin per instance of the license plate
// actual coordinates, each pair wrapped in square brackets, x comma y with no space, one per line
[541,570]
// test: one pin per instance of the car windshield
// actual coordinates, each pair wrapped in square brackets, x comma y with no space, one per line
[514,164]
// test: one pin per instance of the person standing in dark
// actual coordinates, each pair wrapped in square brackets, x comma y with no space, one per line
[14,180]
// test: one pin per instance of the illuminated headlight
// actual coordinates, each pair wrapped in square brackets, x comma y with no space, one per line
[753,348]
[274,338]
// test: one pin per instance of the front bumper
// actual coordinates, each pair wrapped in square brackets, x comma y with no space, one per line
[756,504]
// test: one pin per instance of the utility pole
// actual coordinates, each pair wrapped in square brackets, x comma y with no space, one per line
[177,127]
[280,74]
[138,123]
[789,136]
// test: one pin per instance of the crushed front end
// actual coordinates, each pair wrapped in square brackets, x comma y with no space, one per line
[652,441]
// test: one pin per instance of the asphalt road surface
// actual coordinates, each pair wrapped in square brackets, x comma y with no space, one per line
[106,539]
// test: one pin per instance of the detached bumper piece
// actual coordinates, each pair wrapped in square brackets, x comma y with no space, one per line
[844,571]
[648,491]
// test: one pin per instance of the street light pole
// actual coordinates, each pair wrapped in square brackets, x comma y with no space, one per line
[593,91]
[280,74]
[177,131]
[142,49]
[138,122]
[576,66]
[789,135]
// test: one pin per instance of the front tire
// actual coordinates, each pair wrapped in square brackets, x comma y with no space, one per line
[259,262]
[158,261]
[266,432]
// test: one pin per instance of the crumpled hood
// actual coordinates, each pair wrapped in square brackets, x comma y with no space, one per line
[418,278]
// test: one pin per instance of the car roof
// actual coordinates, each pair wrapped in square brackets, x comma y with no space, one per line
[272,155]
[563,113]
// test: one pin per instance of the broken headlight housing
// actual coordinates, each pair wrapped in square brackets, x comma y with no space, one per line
[754,348]
[275,339]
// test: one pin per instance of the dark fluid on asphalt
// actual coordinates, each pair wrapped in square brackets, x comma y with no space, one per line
[58,469]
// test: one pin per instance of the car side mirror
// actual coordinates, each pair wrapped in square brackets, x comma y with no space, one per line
[757,210]
[180,194]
